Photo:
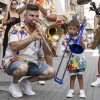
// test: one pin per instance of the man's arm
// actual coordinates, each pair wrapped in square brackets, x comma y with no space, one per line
[43,10]
[47,53]
[19,45]
[50,17]
[20,10]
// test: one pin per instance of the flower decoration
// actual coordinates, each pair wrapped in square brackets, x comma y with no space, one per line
[14,31]
[23,1]
[22,32]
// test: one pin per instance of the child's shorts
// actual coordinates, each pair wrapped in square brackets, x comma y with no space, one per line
[78,71]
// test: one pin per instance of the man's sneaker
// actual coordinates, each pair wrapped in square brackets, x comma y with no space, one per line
[82,94]
[42,82]
[26,87]
[15,91]
[70,93]
[96,83]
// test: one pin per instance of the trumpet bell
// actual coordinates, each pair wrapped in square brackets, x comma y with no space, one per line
[53,32]
[76,48]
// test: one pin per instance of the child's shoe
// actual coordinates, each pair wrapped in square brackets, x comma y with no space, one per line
[82,94]
[70,93]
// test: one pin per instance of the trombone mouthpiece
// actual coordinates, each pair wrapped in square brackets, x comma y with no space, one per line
[33,23]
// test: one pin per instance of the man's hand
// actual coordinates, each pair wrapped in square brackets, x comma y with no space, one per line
[36,35]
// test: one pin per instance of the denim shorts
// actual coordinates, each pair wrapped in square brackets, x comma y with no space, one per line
[33,70]
[78,71]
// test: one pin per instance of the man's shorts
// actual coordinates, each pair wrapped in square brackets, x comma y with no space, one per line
[33,70]
[78,71]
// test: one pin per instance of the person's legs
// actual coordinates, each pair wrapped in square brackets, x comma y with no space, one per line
[17,69]
[46,74]
[80,73]
[72,82]
[43,72]
[97,82]
[80,80]
[99,67]
[72,74]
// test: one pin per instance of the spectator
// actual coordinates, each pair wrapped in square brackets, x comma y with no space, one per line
[96,24]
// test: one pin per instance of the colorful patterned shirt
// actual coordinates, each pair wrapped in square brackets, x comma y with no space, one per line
[20,32]
[77,61]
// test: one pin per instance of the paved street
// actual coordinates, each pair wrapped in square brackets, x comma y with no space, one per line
[54,91]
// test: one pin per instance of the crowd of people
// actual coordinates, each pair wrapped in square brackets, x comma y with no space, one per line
[26,53]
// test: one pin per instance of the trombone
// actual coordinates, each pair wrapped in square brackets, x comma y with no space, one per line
[52,33]
[74,48]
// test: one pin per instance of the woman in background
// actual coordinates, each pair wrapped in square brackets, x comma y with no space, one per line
[12,17]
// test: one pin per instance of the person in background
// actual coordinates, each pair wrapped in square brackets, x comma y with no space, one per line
[77,64]
[61,48]
[48,16]
[12,17]
[96,24]
[22,54]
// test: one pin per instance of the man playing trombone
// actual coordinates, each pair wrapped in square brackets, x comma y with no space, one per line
[21,55]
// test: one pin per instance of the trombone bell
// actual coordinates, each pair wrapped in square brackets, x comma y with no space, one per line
[76,48]
[53,32]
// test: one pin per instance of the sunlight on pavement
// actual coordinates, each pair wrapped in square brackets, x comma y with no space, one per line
[95,52]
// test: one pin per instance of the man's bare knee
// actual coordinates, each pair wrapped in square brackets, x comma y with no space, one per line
[50,72]
[21,70]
